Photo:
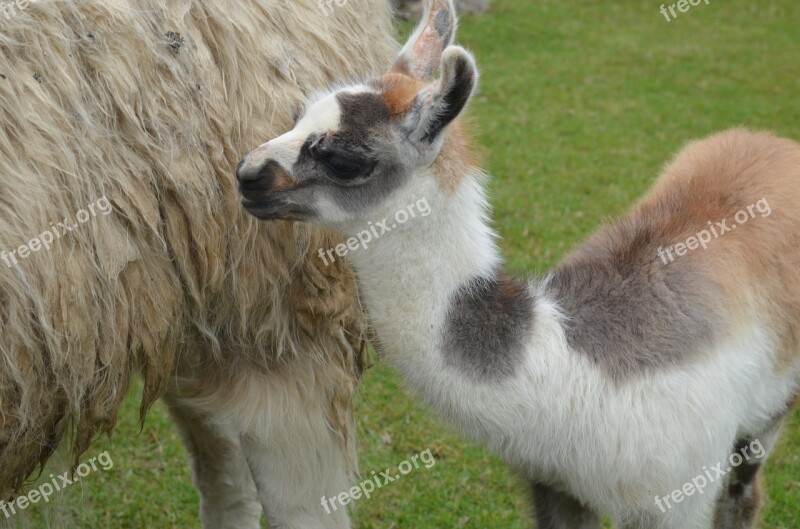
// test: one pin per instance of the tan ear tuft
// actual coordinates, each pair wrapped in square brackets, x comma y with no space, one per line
[398,91]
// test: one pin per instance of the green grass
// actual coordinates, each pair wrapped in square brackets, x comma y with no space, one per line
[580,105]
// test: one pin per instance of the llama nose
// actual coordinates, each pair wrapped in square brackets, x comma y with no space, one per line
[247,172]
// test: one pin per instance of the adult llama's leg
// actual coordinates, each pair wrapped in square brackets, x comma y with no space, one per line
[228,498]
[275,440]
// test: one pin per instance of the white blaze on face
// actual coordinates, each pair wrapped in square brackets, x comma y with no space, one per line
[323,116]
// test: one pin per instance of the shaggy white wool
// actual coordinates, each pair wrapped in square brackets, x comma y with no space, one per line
[151,104]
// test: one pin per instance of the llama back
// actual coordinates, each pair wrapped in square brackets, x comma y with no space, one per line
[710,252]
[756,226]
[122,125]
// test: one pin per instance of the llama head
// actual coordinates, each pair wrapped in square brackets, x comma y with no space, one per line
[361,148]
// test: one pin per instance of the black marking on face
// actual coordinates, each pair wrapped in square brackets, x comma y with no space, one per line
[349,155]
[345,166]
[361,112]
[489,320]
[629,313]
[277,207]
[265,194]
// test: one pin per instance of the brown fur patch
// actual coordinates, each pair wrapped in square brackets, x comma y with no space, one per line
[746,276]
[458,157]
[398,91]
[281,180]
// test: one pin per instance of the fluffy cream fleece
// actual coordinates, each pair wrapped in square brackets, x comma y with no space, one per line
[151,104]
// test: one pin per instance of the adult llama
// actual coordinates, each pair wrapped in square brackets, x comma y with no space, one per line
[125,250]
[626,380]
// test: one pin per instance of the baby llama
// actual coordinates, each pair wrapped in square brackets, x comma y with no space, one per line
[637,369]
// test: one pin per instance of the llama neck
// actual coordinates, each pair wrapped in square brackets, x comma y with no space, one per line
[413,279]
[408,276]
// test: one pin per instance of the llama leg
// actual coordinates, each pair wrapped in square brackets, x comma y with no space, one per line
[299,483]
[741,500]
[298,454]
[294,428]
[558,510]
[228,497]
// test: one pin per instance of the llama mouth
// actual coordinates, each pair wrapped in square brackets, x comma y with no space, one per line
[276,209]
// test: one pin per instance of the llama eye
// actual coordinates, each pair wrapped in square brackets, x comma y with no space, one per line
[344,167]
[341,164]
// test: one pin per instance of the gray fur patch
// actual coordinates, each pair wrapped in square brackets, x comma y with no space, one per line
[442,25]
[361,112]
[488,322]
[626,310]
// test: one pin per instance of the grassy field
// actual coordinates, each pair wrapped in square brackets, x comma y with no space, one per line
[580,105]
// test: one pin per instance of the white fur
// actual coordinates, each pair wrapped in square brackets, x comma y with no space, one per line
[322,116]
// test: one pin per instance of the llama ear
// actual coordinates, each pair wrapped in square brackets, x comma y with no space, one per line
[448,96]
[422,53]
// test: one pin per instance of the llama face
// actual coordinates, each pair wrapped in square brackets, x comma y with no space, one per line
[358,148]
[342,157]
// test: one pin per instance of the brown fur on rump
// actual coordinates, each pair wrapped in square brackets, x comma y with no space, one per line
[687,303]
[151,106]
[756,265]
